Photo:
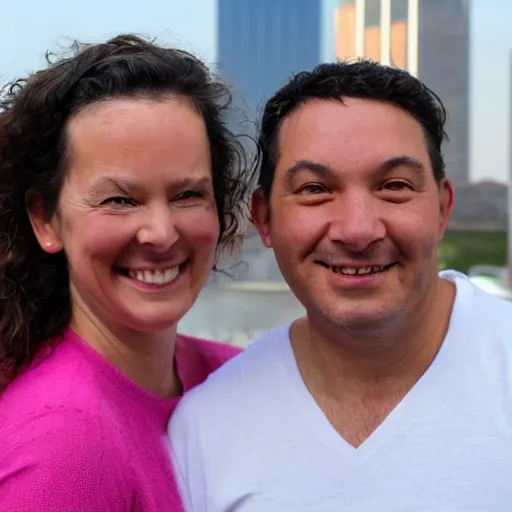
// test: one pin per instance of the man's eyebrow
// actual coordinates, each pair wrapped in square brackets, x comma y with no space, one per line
[384,168]
[392,163]
[308,165]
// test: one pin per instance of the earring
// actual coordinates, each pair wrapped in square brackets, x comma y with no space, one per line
[48,244]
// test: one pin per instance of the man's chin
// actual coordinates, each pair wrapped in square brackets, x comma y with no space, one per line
[360,321]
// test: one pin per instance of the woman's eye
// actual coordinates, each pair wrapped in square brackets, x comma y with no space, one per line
[189,194]
[119,200]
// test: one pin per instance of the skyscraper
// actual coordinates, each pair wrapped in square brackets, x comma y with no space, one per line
[509,234]
[261,43]
[430,39]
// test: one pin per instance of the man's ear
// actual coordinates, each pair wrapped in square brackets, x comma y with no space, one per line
[44,228]
[446,200]
[260,213]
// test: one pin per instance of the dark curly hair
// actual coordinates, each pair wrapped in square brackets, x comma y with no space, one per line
[358,79]
[35,302]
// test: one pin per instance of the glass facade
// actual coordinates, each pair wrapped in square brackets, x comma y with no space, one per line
[372,30]
[345,32]
[399,46]
[261,43]
[429,38]
[443,64]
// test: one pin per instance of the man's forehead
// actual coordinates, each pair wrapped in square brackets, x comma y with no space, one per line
[324,129]
[322,111]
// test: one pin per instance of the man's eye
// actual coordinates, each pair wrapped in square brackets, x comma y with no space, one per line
[397,185]
[119,200]
[313,188]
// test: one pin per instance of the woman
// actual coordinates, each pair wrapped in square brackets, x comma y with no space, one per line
[119,186]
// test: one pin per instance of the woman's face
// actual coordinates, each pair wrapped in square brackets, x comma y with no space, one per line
[136,215]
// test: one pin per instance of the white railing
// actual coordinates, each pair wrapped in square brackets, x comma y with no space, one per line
[237,312]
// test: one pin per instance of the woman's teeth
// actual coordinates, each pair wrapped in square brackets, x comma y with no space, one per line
[155,276]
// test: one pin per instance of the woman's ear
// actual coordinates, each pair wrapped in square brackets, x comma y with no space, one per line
[44,227]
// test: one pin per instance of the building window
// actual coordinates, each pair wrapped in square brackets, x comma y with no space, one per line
[372,30]
[345,31]
[399,46]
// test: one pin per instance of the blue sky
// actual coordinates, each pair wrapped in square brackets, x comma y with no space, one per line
[31,27]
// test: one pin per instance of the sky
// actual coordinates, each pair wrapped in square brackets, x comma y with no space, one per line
[31,27]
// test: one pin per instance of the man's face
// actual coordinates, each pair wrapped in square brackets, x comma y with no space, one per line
[355,214]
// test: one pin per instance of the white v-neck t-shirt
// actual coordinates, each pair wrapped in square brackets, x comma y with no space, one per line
[253,439]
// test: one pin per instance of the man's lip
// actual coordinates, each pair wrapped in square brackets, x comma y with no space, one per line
[352,265]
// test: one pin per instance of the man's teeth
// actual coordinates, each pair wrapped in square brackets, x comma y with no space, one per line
[156,276]
[360,271]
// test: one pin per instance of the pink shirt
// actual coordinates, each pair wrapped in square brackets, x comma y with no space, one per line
[78,435]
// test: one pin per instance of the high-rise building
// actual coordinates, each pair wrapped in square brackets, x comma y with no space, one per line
[430,39]
[509,233]
[261,43]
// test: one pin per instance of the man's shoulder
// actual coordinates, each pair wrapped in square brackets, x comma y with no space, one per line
[214,353]
[197,358]
[478,303]
[238,377]
[481,320]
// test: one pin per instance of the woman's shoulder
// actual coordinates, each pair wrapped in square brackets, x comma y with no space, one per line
[58,379]
[214,352]
[56,433]
[197,358]
[37,403]
[64,445]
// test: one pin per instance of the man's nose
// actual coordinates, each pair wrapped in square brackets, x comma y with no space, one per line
[356,221]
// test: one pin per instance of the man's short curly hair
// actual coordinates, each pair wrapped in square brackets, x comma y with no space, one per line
[363,79]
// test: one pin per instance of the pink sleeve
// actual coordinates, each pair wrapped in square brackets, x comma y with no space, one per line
[61,460]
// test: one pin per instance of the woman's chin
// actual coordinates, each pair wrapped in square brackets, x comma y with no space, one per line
[153,320]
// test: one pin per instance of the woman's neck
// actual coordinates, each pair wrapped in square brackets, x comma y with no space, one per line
[146,358]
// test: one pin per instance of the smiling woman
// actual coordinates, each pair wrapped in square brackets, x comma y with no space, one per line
[119,187]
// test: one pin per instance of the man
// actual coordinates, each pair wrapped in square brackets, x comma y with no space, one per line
[395,391]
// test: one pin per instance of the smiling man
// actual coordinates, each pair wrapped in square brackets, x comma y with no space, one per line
[395,391]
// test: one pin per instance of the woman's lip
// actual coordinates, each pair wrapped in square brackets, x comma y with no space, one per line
[152,268]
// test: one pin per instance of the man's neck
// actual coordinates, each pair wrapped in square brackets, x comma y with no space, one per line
[405,348]
[358,381]
[145,358]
